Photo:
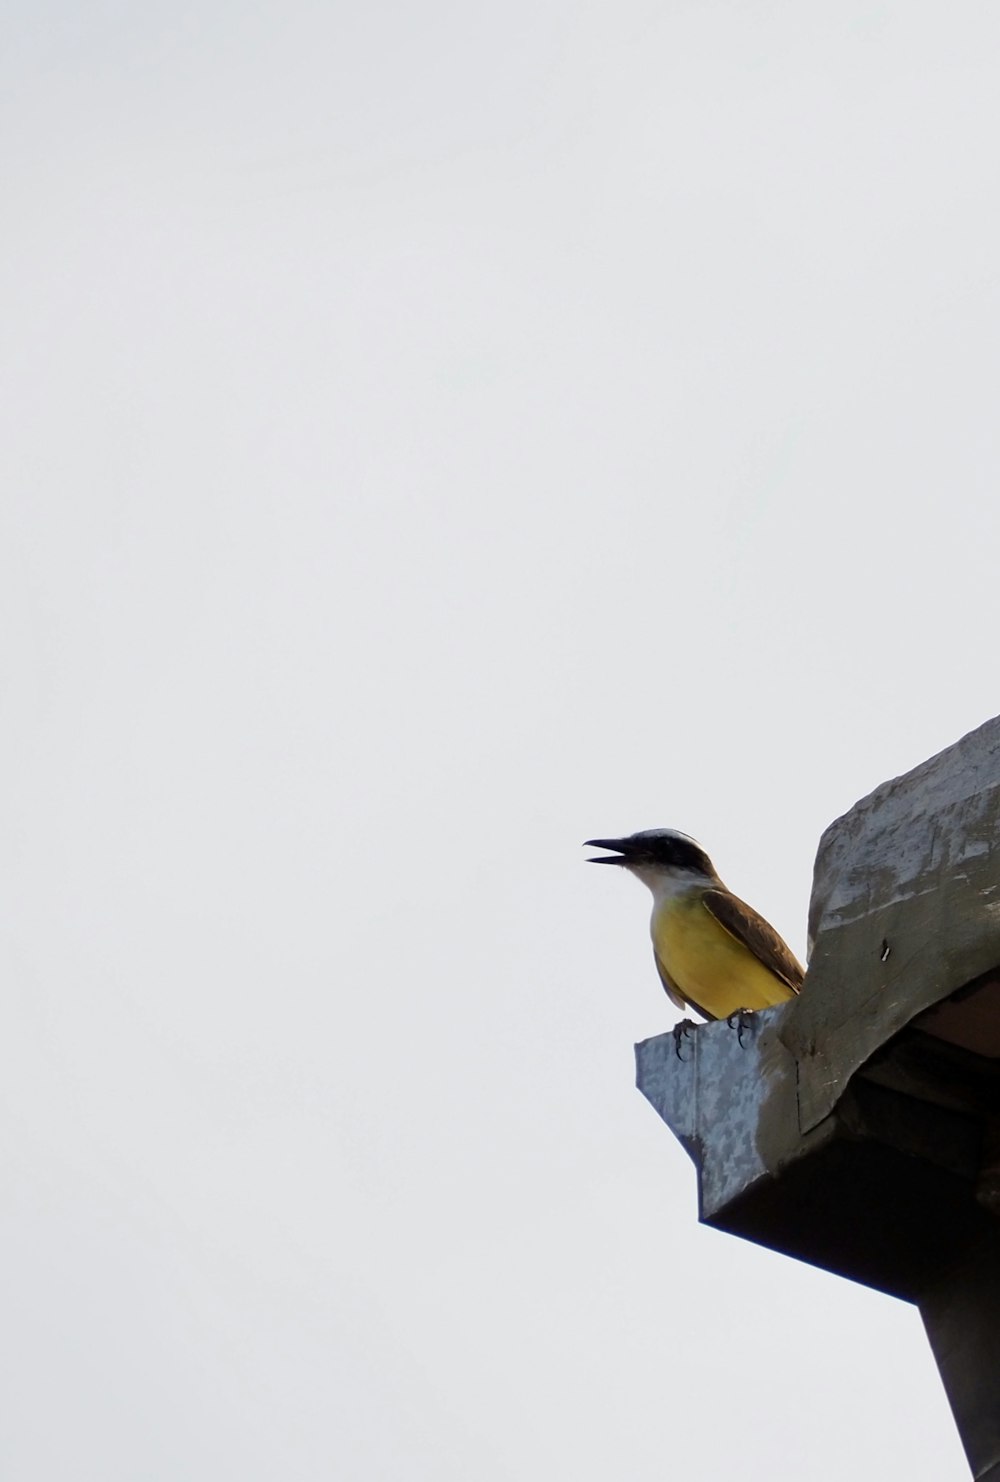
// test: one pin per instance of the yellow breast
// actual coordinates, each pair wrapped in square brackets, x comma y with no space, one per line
[709,967]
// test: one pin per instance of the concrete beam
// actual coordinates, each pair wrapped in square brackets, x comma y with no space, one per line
[858,1126]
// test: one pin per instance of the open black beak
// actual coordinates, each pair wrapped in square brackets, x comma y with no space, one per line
[620,844]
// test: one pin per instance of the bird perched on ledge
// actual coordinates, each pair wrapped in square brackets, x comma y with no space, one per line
[713,952]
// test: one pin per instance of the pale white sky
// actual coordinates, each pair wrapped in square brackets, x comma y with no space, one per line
[434,436]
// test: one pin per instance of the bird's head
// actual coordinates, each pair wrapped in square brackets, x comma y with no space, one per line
[658,856]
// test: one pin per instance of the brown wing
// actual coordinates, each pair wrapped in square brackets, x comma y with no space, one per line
[743,922]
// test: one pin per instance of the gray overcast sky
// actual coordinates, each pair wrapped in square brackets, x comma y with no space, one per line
[435,435]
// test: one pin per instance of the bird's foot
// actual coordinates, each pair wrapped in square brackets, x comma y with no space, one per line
[680,1032]
[740,1021]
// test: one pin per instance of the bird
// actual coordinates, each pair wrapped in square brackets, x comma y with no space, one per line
[713,952]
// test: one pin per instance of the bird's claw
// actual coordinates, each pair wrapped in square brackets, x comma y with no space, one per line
[740,1021]
[680,1031]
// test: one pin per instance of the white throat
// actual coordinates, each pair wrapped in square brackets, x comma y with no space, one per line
[666,883]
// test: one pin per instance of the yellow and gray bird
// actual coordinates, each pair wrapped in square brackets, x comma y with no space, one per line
[713,952]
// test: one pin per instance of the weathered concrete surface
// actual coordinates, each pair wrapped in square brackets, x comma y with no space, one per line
[882,1191]
[728,1094]
[905,910]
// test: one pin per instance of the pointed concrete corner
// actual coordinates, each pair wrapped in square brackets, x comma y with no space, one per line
[727,1092]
